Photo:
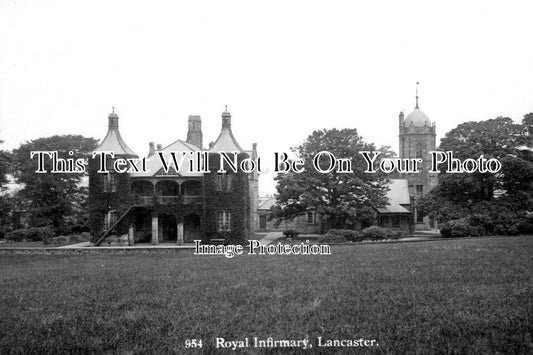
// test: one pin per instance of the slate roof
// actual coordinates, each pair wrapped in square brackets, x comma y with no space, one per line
[226,142]
[397,195]
[154,166]
[265,203]
[113,141]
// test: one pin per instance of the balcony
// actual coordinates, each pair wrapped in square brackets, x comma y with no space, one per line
[168,200]
[189,200]
[144,200]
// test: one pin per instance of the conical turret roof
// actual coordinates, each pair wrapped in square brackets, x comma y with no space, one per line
[226,142]
[113,141]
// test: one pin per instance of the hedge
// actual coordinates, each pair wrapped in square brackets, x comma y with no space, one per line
[71,239]
[461,228]
[30,234]
[379,233]
[291,233]
[503,222]
[371,233]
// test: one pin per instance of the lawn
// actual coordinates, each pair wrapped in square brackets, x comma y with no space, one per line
[462,296]
[25,245]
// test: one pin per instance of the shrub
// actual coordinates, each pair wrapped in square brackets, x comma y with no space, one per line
[347,234]
[482,220]
[3,231]
[291,233]
[379,233]
[506,229]
[59,240]
[30,234]
[71,239]
[332,239]
[460,228]
[80,228]
[86,236]
[507,223]
[526,225]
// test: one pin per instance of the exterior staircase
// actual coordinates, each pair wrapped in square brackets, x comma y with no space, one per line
[108,231]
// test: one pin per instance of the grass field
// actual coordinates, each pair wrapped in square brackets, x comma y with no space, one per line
[462,296]
[23,245]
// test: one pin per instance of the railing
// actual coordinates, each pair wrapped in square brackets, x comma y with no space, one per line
[145,200]
[188,200]
[167,200]
[106,232]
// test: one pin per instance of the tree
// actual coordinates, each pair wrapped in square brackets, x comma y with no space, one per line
[49,197]
[527,122]
[5,200]
[343,198]
[5,167]
[495,138]
[499,138]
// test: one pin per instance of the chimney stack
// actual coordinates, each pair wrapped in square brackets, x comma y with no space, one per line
[151,149]
[194,134]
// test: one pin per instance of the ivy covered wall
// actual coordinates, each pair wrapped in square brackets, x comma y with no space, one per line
[234,200]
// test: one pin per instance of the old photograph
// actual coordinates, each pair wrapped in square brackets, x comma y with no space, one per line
[278,177]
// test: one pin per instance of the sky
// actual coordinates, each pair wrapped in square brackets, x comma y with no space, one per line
[284,68]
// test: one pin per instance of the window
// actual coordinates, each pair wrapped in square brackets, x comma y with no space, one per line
[419,150]
[224,221]
[419,217]
[219,182]
[223,182]
[110,219]
[312,218]
[110,183]
[419,190]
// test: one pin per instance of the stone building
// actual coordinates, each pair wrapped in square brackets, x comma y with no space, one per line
[173,206]
[397,213]
[307,223]
[417,137]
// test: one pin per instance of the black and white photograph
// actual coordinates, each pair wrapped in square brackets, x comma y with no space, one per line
[266,177]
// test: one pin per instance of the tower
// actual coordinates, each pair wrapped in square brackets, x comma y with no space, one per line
[109,193]
[194,133]
[226,142]
[417,138]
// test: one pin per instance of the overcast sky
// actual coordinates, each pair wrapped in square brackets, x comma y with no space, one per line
[284,68]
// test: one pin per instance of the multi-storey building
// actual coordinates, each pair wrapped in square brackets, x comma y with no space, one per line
[177,206]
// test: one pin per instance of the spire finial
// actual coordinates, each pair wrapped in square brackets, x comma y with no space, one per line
[417,94]
[226,108]
[113,109]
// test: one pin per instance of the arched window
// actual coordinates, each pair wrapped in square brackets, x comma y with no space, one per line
[168,188]
[142,188]
[191,188]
